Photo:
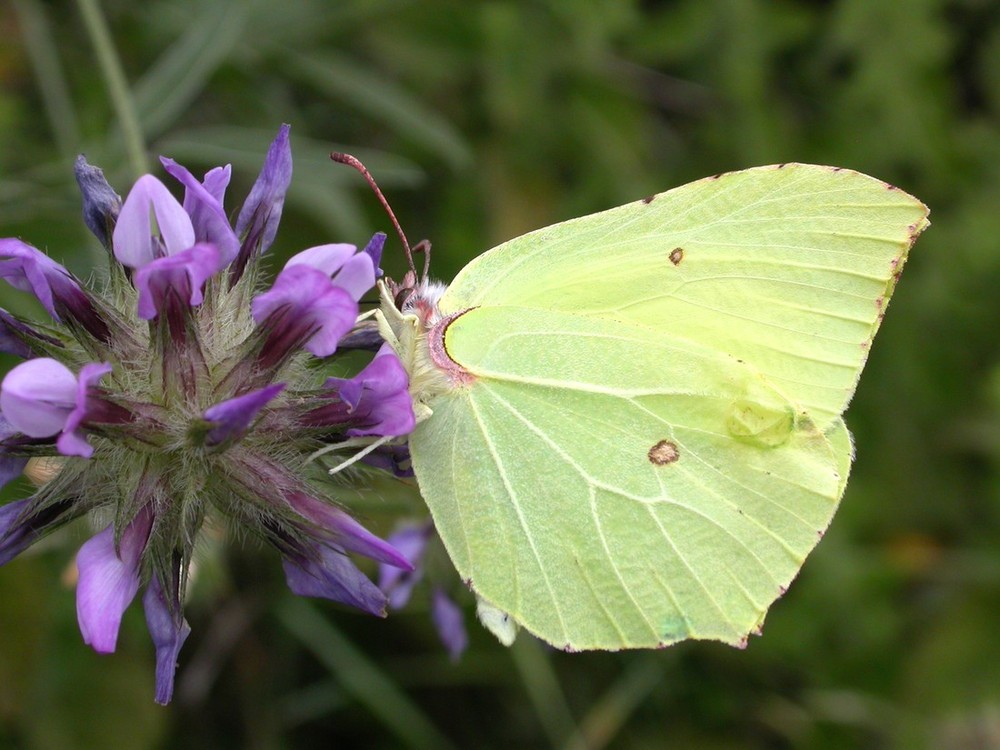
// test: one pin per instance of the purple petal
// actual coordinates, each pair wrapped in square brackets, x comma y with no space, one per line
[344,531]
[357,276]
[261,212]
[168,630]
[72,441]
[231,418]
[307,309]
[378,396]
[325,258]
[101,203]
[182,275]
[10,342]
[30,270]
[108,583]
[14,537]
[411,540]
[329,574]
[133,241]
[352,271]
[38,396]
[205,209]
[22,525]
[450,624]
[11,467]
[374,250]
[216,181]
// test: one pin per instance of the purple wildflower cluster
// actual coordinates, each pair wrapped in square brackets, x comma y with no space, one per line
[181,391]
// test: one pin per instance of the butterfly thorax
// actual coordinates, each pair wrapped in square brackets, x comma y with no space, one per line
[414,326]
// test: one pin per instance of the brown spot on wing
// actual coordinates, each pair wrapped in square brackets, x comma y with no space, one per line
[649,199]
[663,453]
[677,255]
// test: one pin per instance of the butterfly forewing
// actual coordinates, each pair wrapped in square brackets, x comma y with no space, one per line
[789,268]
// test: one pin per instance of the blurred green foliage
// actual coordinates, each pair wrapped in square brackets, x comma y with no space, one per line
[482,120]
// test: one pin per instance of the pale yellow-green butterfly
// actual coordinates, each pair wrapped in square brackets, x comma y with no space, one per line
[630,423]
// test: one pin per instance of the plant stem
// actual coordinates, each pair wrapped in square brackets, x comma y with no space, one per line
[118,89]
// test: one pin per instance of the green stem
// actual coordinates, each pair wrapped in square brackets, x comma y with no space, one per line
[41,48]
[118,89]
[544,691]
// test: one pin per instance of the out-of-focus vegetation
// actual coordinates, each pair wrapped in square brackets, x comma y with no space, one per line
[480,121]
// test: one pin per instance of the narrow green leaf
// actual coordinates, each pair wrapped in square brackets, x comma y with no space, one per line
[360,677]
[381,99]
[182,72]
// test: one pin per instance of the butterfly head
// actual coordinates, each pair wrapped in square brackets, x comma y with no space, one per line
[411,321]
[423,302]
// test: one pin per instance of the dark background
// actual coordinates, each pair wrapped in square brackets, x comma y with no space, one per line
[482,120]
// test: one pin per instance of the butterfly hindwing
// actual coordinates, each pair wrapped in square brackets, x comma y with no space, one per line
[608,505]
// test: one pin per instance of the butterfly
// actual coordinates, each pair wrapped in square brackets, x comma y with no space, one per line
[630,424]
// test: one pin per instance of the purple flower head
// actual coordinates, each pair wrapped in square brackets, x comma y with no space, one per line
[101,203]
[450,624]
[109,580]
[410,540]
[136,241]
[181,277]
[176,366]
[326,572]
[203,204]
[168,630]
[230,419]
[42,397]
[258,220]
[339,528]
[378,397]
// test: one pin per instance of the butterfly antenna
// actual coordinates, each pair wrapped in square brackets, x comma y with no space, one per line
[424,246]
[353,161]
